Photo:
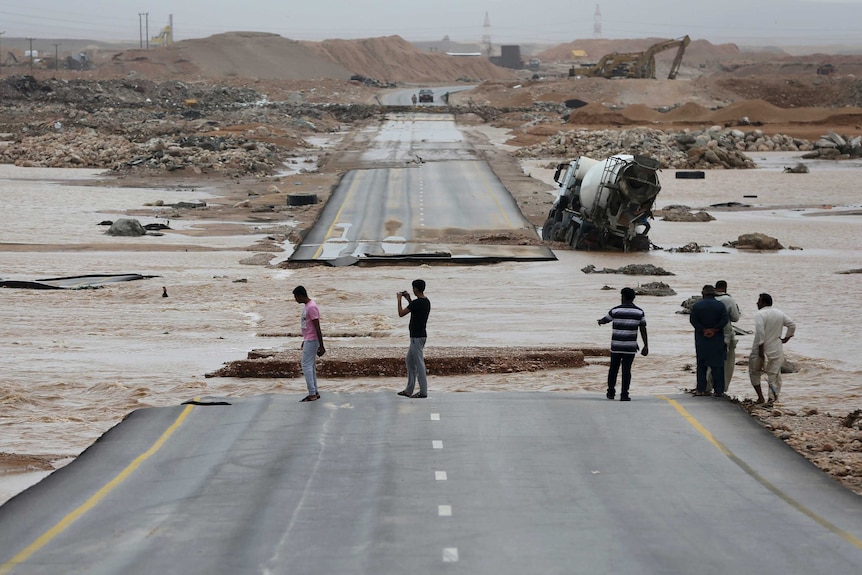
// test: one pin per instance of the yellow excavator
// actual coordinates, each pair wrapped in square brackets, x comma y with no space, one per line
[165,38]
[637,64]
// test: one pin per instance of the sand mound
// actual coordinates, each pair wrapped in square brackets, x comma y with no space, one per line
[698,52]
[688,112]
[519,99]
[852,118]
[266,56]
[597,114]
[393,59]
[755,111]
[761,111]
[641,113]
[255,55]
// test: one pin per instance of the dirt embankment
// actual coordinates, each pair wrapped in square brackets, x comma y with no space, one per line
[389,362]
[804,106]
[264,56]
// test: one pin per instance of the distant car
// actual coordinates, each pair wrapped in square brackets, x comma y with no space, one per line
[426,96]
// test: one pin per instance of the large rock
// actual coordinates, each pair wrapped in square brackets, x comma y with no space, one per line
[684,214]
[755,242]
[655,289]
[126,227]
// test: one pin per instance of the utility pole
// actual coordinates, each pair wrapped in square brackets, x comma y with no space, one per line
[597,22]
[147,20]
[1,52]
[31,54]
[140,30]
[56,58]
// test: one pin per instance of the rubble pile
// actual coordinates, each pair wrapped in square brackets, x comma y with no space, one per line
[85,147]
[834,146]
[715,147]
[831,442]
[126,125]
[94,95]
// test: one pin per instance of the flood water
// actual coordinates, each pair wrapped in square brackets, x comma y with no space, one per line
[74,363]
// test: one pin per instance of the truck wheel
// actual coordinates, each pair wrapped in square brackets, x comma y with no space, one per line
[546,228]
[639,244]
[558,233]
[572,234]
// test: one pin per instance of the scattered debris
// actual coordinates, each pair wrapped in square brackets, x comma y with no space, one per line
[630,270]
[689,248]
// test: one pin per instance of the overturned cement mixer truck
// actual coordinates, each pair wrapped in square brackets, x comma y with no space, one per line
[604,204]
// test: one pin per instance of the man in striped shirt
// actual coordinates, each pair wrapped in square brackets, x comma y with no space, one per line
[627,319]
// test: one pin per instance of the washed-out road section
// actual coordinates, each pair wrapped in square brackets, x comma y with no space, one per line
[421,193]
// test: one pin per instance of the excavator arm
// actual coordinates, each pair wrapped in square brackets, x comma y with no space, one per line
[646,65]
[674,67]
[638,64]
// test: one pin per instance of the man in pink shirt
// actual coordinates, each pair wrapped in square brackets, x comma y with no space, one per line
[312,341]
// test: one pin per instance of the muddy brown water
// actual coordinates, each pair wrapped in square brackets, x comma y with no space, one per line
[73,363]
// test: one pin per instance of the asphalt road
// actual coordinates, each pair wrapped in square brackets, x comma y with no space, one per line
[478,483]
[404,97]
[424,186]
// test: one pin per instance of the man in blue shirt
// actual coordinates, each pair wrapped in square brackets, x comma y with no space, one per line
[628,319]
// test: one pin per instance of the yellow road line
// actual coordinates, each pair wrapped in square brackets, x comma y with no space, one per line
[64,523]
[337,217]
[823,522]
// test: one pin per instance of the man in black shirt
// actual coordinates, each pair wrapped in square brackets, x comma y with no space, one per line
[419,309]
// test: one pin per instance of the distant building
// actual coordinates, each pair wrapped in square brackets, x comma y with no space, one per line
[510,57]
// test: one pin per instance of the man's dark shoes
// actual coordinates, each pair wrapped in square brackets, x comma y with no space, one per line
[610,394]
[418,395]
[403,394]
[625,398]
[314,397]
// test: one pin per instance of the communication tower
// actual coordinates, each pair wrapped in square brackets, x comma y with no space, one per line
[597,23]
[486,35]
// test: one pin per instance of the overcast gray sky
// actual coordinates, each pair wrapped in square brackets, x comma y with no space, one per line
[747,22]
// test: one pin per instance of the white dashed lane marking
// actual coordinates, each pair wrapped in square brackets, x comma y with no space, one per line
[450,554]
